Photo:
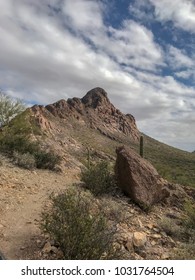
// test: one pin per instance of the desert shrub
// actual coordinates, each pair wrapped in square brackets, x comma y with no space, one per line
[10,143]
[15,145]
[189,221]
[114,209]
[9,108]
[99,179]
[169,227]
[185,252]
[78,227]
[46,160]
[26,160]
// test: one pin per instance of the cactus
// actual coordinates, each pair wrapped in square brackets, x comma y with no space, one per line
[141,146]
[88,157]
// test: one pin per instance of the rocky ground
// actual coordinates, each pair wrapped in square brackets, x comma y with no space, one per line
[24,194]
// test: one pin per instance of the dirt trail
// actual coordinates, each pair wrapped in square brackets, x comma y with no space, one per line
[23,194]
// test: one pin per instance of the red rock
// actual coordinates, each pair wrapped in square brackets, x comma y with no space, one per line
[138,178]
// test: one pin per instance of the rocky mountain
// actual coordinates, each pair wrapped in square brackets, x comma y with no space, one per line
[91,129]
[72,126]
[94,110]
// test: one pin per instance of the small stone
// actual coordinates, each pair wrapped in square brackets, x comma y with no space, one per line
[150,226]
[163,234]
[47,248]
[171,241]
[54,249]
[157,236]
[139,239]
[156,229]
[153,243]
[140,223]
[129,245]
[165,256]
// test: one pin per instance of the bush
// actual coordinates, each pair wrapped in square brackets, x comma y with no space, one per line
[78,227]
[185,252]
[9,108]
[46,160]
[99,179]
[16,145]
[189,208]
[170,228]
[24,160]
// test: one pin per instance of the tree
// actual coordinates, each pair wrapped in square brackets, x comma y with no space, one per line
[9,108]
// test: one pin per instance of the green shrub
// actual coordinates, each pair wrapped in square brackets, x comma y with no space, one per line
[13,145]
[46,160]
[189,208]
[99,179]
[185,252]
[80,229]
[170,228]
[24,160]
[18,143]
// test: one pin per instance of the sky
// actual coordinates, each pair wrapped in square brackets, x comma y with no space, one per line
[142,52]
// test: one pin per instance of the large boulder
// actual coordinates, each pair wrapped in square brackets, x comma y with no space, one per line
[138,178]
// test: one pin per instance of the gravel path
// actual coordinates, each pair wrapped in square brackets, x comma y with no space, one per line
[24,194]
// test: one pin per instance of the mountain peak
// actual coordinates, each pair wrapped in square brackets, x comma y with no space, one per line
[95,97]
[96,111]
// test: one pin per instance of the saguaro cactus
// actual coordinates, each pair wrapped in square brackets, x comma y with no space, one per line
[88,157]
[141,146]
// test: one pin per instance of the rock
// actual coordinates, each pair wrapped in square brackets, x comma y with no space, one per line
[129,245]
[156,236]
[172,243]
[165,256]
[47,248]
[96,111]
[138,178]
[150,225]
[139,239]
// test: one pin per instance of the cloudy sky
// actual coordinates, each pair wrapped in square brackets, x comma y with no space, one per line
[142,52]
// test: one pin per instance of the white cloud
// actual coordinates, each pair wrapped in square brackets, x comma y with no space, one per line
[178,59]
[186,74]
[84,14]
[134,45]
[47,54]
[180,12]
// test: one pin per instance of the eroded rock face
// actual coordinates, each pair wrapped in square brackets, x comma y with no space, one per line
[96,111]
[138,178]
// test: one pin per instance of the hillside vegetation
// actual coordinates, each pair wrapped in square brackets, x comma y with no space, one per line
[175,165]
[78,138]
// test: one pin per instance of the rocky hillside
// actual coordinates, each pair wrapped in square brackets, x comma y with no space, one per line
[85,131]
[77,127]
[94,110]
[72,127]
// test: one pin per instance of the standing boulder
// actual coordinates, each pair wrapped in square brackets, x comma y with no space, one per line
[138,178]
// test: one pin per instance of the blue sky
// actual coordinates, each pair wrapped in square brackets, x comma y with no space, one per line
[141,52]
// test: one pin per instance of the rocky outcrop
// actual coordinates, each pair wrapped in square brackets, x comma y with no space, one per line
[138,178]
[139,239]
[96,111]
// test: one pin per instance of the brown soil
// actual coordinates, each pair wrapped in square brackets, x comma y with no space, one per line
[24,194]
